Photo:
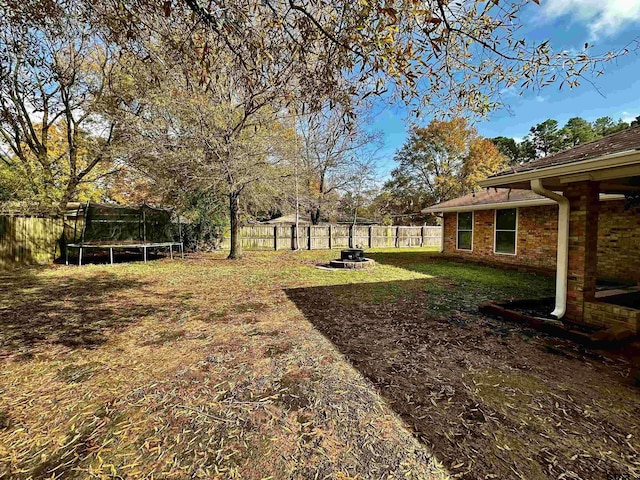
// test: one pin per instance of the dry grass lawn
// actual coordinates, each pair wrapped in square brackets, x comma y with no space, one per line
[270,368]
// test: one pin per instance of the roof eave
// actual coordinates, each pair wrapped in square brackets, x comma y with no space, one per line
[490,206]
[603,162]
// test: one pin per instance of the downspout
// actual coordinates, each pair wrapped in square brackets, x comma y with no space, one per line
[562,262]
[442,235]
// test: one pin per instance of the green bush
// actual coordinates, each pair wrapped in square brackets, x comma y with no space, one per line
[204,222]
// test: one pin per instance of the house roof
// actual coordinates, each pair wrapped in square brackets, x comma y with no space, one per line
[624,141]
[489,199]
[291,218]
[492,198]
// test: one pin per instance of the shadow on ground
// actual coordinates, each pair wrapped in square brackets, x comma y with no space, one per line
[74,312]
[101,256]
[490,400]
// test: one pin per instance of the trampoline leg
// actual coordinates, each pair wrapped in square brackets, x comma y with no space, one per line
[182,250]
[111,255]
[145,253]
[80,258]
[66,256]
[171,251]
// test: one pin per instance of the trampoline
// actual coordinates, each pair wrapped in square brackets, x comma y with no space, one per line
[111,227]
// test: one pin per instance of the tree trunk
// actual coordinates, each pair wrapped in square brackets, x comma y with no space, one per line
[315,215]
[69,192]
[297,225]
[234,217]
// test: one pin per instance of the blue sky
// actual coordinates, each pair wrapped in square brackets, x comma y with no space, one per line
[568,24]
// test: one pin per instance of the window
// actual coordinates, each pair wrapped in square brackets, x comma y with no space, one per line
[465,231]
[506,231]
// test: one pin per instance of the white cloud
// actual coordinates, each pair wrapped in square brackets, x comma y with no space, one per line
[603,17]
[628,117]
[540,99]
[511,91]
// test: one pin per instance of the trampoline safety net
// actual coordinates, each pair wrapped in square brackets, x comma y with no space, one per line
[114,224]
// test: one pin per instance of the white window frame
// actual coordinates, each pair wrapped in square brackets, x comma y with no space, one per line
[495,232]
[473,219]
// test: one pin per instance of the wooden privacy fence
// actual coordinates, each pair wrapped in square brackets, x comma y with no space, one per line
[29,240]
[324,237]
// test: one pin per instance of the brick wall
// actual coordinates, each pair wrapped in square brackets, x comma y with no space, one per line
[536,244]
[618,242]
[608,315]
[618,239]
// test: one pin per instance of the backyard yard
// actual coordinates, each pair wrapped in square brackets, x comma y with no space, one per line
[268,367]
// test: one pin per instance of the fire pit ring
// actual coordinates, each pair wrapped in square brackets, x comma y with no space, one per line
[352,254]
[352,258]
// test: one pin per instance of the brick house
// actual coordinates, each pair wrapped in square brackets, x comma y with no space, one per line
[566,214]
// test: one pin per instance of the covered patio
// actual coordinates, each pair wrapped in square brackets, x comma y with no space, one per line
[598,267]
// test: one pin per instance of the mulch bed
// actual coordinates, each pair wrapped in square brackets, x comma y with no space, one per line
[491,399]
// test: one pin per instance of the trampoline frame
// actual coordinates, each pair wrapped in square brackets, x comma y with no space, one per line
[144,245]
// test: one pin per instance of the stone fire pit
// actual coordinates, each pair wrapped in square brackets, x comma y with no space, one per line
[352,258]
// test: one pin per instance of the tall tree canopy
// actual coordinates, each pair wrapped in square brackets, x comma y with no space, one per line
[606,125]
[443,160]
[454,56]
[56,133]
[577,130]
[547,138]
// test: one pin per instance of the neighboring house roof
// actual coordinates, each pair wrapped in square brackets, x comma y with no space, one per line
[623,141]
[288,219]
[359,221]
[304,219]
[490,199]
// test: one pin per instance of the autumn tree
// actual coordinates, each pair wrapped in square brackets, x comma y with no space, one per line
[55,135]
[444,160]
[387,208]
[201,128]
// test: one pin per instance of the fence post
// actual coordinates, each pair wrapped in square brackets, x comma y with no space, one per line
[422,236]
[370,236]
[293,237]
[275,237]
[309,238]
[350,236]
[397,237]
[330,239]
